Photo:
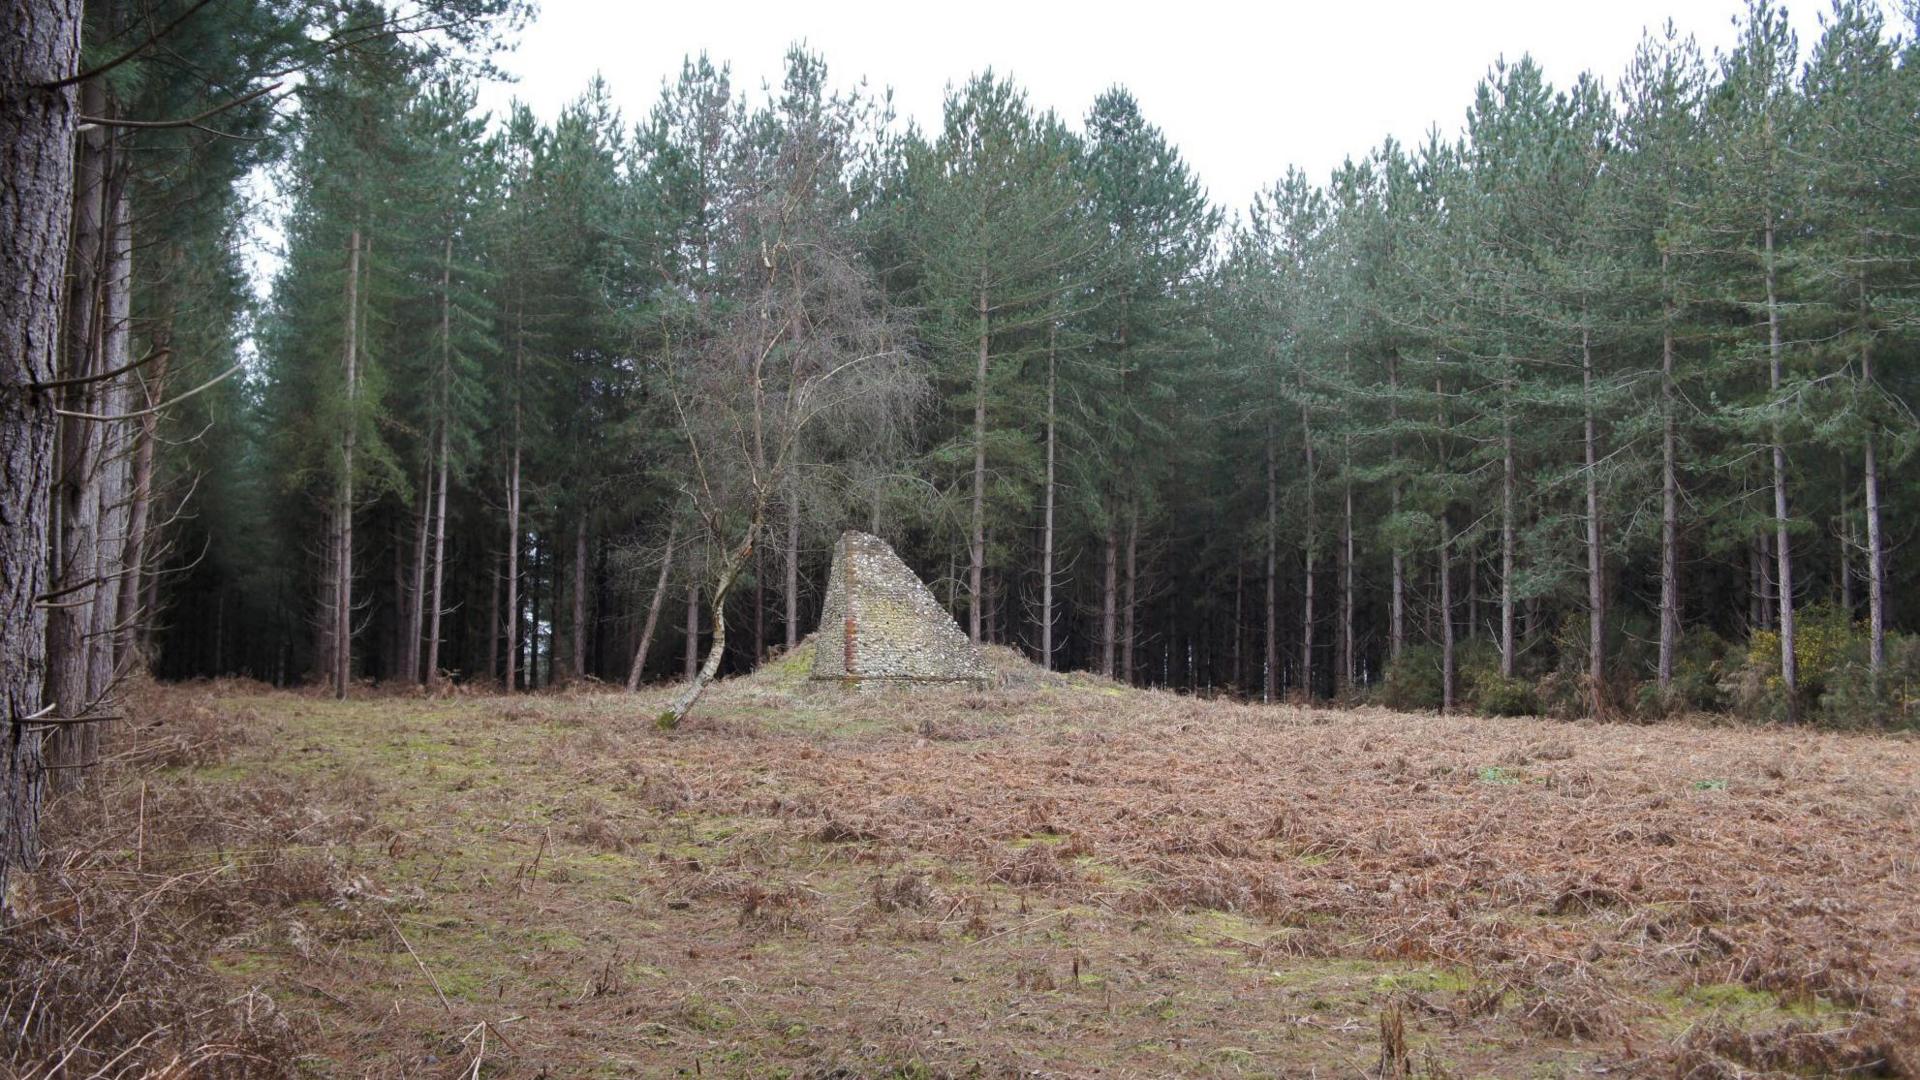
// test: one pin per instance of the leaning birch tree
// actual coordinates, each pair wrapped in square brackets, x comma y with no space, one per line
[802,340]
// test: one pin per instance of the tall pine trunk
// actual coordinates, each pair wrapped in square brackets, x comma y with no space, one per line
[977,539]
[1783,550]
[1109,601]
[1347,663]
[76,504]
[1446,616]
[109,562]
[1447,666]
[513,531]
[793,564]
[578,647]
[1397,631]
[1313,539]
[1507,525]
[1272,674]
[416,591]
[343,509]
[1876,551]
[1046,530]
[1669,487]
[40,47]
[134,610]
[1596,559]
[438,603]
[1127,638]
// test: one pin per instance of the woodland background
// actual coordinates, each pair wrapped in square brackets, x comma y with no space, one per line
[1600,405]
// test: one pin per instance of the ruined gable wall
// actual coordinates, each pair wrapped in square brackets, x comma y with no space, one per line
[898,630]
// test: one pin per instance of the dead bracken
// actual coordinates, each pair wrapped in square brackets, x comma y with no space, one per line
[810,884]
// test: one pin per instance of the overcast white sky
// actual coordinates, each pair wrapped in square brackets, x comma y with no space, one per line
[1243,89]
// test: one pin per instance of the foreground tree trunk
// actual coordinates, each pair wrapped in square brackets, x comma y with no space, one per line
[39,46]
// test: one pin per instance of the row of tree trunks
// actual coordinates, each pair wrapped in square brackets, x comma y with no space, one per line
[76,506]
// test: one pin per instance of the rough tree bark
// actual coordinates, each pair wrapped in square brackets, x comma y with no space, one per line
[39,46]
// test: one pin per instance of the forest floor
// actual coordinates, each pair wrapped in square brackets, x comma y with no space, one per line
[1055,877]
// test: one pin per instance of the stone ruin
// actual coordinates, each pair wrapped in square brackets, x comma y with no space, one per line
[880,625]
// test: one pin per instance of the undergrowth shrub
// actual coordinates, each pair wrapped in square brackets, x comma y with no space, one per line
[1854,698]
[1412,682]
[1700,671]
[1497,695]
[1826,641]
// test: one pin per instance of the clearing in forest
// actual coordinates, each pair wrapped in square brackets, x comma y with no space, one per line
[1057,876]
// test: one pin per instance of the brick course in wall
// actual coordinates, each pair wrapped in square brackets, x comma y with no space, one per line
[880,625]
